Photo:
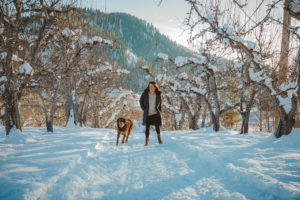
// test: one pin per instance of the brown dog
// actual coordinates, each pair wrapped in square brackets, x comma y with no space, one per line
[124,127]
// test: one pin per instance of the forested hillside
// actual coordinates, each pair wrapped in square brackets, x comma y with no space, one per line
[139,42]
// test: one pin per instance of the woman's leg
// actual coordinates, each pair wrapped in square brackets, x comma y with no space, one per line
[157,129]
[147,133]
[158,134]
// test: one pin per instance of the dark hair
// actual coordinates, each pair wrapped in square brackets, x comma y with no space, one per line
[154,84]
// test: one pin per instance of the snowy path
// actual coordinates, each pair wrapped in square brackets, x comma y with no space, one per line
[84,163]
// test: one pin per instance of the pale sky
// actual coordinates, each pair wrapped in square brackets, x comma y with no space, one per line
[168,17]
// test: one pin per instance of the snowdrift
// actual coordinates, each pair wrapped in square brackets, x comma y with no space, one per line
[84,163]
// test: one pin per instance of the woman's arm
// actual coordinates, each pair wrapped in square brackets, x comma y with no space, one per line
[160,102]
[142,100]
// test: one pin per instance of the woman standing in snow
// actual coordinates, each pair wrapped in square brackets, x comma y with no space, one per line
[150,102]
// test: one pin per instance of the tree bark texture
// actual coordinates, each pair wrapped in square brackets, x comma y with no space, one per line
[286,120]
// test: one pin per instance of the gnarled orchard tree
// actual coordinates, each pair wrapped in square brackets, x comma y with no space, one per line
[24,25]
[283,97]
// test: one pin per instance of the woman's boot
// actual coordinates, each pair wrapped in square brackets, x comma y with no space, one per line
[147,142]
[159,139]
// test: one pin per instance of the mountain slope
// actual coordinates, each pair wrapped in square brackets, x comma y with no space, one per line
[142,38]
[138,44]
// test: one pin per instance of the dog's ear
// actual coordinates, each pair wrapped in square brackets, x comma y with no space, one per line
[119,121]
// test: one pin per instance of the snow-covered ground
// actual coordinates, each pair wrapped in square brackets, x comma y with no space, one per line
[84,163]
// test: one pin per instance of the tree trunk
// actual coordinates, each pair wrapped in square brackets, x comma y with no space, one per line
[181,122]
[12,115]
[260,118]
[194,122]
[182,114]
[16,115]
[296,67]
[185,109]
[195,118]
[49,125]
[284,127]
[246,125]
[82,120]
[214,93]
[8,119]
[285,42]
[197,113]
[284,51]
[10,97]
[296,72]
[297,64]
[76,113]
[49,122]
[204,117]
[95,121]
[214,118]
[246,115]
[268,121]
[175,125]
[68,107]
[216,122]
[286,120]
[83,110]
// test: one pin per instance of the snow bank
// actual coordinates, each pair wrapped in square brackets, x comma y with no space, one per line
[84,163]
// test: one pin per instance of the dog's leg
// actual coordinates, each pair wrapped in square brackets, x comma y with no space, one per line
[118,138]
[126,139]
[123,139]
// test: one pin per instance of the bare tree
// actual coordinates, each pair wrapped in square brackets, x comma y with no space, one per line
[23,24]
[284,97]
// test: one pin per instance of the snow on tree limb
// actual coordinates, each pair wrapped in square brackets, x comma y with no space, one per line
[183,76]
[122,71]
[84,40]
[225,32]
[181,61]
[163,56]
[294,8]
[26,68]
[199,91]
[296,65]
[169,106]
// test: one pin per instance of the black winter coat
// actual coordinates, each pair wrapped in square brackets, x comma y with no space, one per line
[144,102]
